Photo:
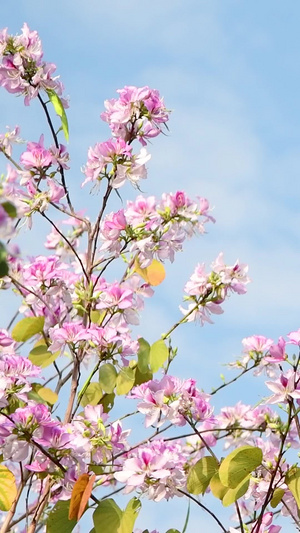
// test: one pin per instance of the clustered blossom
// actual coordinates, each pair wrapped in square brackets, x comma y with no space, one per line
[173,400]
[154,229]
[8,139]
[30,433]
[137,113]
[114,160]
[207,292]
[22,69]
[156,470]
[15,372]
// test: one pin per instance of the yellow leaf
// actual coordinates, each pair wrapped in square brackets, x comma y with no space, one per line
[48,395]
[8,488]
[154,274]
[80,496]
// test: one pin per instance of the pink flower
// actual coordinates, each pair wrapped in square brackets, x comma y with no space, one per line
[285,388]
[69,333]
[294,337]
[138,113]
[257,343]
[277,352]
[36,157]
[115,296]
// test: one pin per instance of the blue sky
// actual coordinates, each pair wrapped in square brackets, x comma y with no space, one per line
[229,70]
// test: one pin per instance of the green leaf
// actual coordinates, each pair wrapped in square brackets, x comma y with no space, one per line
[58,521]
[10,209]
[201,474]
[217,488]
[158,355]
[40,355]
[107,377]
[125,380]
[129,516]
[3,268]
[107,401]
[59,109]
[8,488]
[27,328]
[97,469]
[292,480]
[92,395]
[3,263]
[277,497]
[107,517]
[143,355]
[232,495]
[173,531]
[142,378]
[239,464]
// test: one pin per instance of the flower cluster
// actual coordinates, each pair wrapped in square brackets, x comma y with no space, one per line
[137,113]
[171,399]
[156,470]
[206,292]
[114,160]
[22,69]
[154,229]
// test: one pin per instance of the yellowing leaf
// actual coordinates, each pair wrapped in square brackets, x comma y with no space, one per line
[216,487]
[40,356]
[143,355]
[158,355]
[8,488]
[27,328]
[201,474]
[92,395]
[292,480]
[239,464]
[232,495]
[107,377]
[48,395]
[154,274]
[277,497]
[80,496]
[129,516]
[125,380]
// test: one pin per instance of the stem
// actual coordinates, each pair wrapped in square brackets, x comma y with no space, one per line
[85,386]
[214,391]
[202,439]
[95,233]
[61,170]
[74,385]
[240,517]
[182,321]
[62,381]
[41,506]
[270,489]
[68,242]
[204,508]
